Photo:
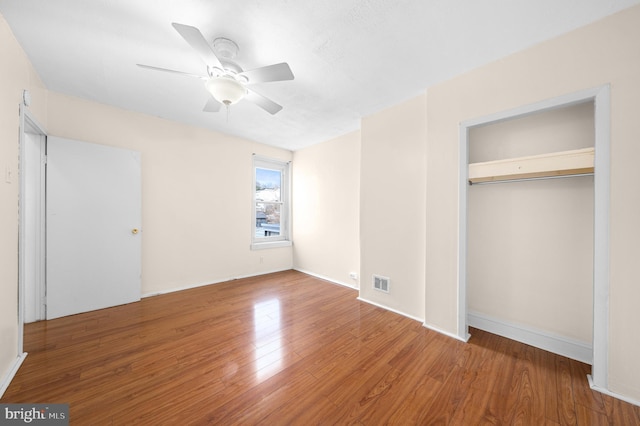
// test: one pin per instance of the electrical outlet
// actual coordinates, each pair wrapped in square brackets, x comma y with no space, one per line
[353,275]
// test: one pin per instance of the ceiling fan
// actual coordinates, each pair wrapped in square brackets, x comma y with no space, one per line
[225,80]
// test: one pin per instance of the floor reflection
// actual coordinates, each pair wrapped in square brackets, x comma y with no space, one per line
[268,338]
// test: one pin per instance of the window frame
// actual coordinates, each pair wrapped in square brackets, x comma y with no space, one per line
[284,237]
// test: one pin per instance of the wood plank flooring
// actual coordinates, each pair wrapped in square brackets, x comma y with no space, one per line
[290,349]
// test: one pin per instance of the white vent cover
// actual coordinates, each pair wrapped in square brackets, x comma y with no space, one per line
[381,283]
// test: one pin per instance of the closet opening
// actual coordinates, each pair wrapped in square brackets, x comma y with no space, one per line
[533,260]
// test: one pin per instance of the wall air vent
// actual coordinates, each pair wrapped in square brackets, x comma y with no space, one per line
[381,283]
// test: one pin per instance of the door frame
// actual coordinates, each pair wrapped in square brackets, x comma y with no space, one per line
[28,124]
[600,96]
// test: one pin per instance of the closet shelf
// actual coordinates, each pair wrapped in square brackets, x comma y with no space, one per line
[565,163]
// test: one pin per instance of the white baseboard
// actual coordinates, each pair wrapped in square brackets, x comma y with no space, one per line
[322,277]
[612,394]
[6,380]
[446,333]
[190,286]
[557,344]
[390,309]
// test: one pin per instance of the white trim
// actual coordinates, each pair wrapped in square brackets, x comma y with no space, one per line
[322,277]
[6,380]
[601,220]
[192,286]
[463,169]
[390,309]
[561,345]
[600,96]
[446,333]
[22,140]
[26,120]
[284,238]
[558,102]
[270,244]
[611,394]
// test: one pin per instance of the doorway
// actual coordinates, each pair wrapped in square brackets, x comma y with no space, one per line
[600,96]
[31,240]
[34,224]
[79,226]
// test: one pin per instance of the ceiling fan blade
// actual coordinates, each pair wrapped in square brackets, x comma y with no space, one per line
[276,72]
[212,105]
[149,67]
[263,102]
[194,37]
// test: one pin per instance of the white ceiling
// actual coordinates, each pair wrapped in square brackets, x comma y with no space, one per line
[350,58]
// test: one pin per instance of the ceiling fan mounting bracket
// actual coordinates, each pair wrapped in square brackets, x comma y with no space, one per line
[225,48]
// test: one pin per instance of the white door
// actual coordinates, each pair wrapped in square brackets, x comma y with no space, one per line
[93,227]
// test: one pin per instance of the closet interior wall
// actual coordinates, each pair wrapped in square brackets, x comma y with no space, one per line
[530,243]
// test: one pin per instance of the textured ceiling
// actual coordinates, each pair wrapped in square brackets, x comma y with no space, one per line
[350,58]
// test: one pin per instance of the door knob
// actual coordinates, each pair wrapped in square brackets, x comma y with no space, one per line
[135,231]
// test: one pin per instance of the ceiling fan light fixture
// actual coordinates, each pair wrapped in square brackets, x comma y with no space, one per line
[225,90]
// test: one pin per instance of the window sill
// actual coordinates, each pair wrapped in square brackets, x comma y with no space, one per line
[270,244]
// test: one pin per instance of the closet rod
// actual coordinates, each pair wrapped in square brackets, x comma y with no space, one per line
[525,179]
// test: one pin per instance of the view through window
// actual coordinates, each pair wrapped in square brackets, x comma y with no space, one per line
[268,202]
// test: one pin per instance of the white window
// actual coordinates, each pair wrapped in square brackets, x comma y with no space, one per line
[271,207]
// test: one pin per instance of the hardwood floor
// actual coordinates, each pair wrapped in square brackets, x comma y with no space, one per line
[287,348]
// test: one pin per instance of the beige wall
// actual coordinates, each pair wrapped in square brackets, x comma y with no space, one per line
[392,206]
[530,244]
[197,200]
[326,182]
[16,74]
[196,190]
[601,53]
[196,193]
[408,161]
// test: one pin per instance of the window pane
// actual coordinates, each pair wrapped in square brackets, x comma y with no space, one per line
[268,184]
[267,220]
[271,198]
